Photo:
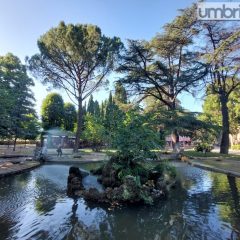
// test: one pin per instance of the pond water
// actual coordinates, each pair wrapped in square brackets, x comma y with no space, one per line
[34,205]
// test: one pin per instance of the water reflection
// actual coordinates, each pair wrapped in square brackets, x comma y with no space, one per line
[204,206]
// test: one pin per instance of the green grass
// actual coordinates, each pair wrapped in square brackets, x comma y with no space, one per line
[192,153]
[89,150]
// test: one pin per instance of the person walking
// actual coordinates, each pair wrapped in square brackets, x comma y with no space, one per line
[59,150]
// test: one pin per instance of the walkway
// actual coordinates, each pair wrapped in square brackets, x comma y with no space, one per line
[9,168]
[80,157]
[227,166]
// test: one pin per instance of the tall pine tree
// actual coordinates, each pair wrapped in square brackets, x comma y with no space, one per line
[120,93]
[17,88]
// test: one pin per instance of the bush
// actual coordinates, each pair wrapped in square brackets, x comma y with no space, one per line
[203,147]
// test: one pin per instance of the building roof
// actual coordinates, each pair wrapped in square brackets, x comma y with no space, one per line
[58,132]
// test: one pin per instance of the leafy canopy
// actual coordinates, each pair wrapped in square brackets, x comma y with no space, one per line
[52,111]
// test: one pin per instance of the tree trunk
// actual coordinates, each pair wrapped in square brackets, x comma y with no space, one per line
[79,125]
[234,192]
[14,143]
[224,146]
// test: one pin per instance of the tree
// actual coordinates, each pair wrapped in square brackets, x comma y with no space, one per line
[90,107]
[166,66]
[16,87]
[212,110]
[70,116]
[120,93]
[222,42]
[6,101]
[94,132]
[113,116]
[77,58]
[96,109]
[52,111]
[31,127]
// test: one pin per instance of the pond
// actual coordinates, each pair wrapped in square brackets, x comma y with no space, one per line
[34,205]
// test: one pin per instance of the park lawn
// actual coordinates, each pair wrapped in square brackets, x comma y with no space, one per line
[20,150]
[191,153]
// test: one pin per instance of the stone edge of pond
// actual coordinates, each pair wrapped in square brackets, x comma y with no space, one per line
[212,169]
[23,168]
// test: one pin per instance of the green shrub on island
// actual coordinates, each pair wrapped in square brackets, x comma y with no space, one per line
[135,138]
[134,181]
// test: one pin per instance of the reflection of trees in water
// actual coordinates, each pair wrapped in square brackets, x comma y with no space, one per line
[181,216]
[80,230]
[226,193]
[235,194]
[6,224]
[143,222]
[46,195]
[170,219]
[13,192]
[16,183]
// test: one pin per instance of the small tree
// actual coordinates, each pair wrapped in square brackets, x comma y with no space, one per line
[135,137]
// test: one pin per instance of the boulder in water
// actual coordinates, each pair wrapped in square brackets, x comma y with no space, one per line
[74,180]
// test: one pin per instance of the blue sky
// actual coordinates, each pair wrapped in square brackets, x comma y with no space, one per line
[23,21]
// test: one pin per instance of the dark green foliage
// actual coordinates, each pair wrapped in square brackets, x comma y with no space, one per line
[120,93]
[113,117]
[52,111]
[31,127]
[135,138]
[90,106]
[17,99]
[93,107]
[70,116]
[97,112]
[94,132]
